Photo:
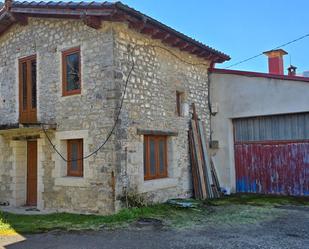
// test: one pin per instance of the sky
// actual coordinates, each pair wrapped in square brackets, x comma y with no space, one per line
[239,28]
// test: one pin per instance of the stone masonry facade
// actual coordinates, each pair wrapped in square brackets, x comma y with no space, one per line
[149,104]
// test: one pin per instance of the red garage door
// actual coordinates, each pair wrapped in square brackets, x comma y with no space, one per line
[272,154]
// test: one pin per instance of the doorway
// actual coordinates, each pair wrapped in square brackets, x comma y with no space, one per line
[32,173]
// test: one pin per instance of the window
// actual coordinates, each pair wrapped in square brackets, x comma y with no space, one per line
[75,152]
[27,90]
[71,73]
[155,157]
[179,103]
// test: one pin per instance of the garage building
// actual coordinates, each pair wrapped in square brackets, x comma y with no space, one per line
[261,121]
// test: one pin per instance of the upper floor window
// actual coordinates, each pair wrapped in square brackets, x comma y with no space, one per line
[71,72]
[155,157]
[28,90]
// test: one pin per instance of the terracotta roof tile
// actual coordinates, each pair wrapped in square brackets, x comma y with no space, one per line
[69,4]
[98,6]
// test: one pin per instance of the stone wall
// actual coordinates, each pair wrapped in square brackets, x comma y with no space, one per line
[47,38]
[91,111]
[150,103]
[5,169]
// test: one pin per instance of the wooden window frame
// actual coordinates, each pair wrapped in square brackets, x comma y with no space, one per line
[80,163]
[31,113]
[158,175]
[64,72]
[179,102]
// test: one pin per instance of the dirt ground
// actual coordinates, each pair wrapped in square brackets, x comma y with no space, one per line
[248,227]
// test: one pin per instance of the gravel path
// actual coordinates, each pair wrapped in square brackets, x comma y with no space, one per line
[288,230]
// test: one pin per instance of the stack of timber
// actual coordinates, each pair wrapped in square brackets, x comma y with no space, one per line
[205,180]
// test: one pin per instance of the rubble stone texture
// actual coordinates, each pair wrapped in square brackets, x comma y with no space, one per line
[149,104]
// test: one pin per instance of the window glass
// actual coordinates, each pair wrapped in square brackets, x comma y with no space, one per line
[33,84]
[152,157]
[24,85]
[155,161]
[72,72]
[162,156]
[145,156]
[75,152]
[74,156]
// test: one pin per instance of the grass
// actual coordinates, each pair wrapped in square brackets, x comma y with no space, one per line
[236,209]
[65,221]
[259,200]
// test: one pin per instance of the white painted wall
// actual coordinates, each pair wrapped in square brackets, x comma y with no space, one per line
[243,96]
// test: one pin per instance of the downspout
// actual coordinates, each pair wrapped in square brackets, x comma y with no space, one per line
[212,65]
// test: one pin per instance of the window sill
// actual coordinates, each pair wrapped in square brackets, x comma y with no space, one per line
[70,181]
[66,94]
[156,184]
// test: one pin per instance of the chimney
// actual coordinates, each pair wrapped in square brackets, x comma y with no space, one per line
[275,61]
[292,70]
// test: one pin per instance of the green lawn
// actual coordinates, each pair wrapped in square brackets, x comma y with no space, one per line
[233,209]
[66,221]
[260,200]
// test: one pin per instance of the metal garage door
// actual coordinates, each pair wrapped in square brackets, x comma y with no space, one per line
[272,154]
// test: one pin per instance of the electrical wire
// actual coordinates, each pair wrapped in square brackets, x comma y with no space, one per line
[121,103]
[126,85]
[258,55]
[109,134]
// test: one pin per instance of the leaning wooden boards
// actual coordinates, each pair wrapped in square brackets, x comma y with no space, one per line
[205,181]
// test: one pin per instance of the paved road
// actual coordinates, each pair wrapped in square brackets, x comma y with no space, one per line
[290,230]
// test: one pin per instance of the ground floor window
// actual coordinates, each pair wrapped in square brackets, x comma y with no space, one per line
[75,154]
[155,157]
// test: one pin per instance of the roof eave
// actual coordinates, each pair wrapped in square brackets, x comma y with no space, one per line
[113,12]
[219,56]
[258,74]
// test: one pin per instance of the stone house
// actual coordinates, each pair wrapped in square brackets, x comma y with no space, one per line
[94,104]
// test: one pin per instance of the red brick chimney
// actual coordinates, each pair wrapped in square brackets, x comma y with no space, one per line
[275,61]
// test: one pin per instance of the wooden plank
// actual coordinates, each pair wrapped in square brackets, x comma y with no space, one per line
[156,132]
[215,178]
[92,21]
[199,159]
[160,35]
[193,166]
[200,134]
[199,144]
[206,165]
[198,183]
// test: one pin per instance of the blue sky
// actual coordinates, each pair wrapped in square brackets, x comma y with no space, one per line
[240,28]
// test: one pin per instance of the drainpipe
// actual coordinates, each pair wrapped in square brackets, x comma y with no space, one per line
[212,65]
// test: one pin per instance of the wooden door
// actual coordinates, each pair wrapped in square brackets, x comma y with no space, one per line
[32,173]
[27,90]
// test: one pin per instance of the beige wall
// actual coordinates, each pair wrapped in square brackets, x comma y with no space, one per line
[241,96]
